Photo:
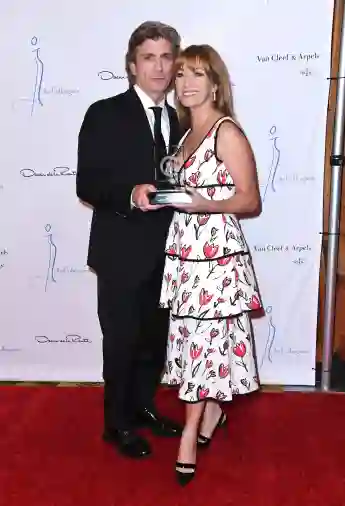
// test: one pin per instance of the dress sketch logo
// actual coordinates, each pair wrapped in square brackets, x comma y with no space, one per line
[270,339]
[39,90]
[36,96]
[274,164]
[54,273]
[50,277]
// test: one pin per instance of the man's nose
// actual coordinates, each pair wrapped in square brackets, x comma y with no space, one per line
[159,64]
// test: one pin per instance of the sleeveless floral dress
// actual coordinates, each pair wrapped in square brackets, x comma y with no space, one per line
[210,287]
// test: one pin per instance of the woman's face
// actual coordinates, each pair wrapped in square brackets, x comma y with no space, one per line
[193,86]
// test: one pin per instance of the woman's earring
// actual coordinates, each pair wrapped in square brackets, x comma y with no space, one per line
[214,95]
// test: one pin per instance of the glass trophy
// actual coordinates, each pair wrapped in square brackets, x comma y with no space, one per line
[170,182]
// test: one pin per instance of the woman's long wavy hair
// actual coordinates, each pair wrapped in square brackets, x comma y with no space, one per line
[205,56]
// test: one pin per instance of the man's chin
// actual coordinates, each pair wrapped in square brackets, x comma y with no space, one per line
[159,85]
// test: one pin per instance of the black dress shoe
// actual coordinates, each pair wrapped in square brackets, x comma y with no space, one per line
[203,441]
[185,477]
[128,443]
[159,425]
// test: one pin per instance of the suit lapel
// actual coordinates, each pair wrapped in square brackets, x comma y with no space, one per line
[140,124]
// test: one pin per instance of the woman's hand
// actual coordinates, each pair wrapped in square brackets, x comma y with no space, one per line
[198,205]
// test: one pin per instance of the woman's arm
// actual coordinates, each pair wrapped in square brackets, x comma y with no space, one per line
[235,152]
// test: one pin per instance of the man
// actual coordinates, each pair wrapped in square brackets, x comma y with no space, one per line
[121,142]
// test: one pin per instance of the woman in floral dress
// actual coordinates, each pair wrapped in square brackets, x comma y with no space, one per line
[209,284]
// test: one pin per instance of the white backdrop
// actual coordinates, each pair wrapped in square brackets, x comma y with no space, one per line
[57,58]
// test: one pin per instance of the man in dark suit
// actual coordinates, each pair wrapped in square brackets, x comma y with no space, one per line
[121,142]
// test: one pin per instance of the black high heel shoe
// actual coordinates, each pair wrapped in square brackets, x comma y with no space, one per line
[185,478]
[203,441]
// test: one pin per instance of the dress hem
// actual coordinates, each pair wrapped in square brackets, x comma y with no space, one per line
[174,256]
[169,385]
[217,318]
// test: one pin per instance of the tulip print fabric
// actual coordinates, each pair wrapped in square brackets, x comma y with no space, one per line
[210,287]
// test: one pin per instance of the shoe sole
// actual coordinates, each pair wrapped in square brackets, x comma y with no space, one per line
[160,433]
[114,443]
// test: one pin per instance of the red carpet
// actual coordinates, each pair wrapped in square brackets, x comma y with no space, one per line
[281,449]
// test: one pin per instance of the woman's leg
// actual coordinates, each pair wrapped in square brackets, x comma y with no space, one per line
[210,419]
[188,443]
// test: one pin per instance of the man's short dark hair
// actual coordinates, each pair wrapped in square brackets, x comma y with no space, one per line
[150,30]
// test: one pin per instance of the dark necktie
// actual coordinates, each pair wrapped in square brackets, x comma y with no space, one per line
[160,147]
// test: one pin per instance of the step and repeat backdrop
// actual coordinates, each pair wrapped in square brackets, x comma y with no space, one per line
[59,57]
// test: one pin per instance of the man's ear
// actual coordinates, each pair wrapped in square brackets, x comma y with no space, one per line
[133,68]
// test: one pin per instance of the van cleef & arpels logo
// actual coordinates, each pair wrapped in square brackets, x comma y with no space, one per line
[3,256]
[306,58]
[298,252]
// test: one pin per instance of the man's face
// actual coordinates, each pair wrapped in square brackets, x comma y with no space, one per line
[153,67]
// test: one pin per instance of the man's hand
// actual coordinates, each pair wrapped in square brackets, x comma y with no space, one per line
[140,197]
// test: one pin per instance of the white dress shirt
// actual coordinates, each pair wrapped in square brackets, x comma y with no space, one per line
[147,102]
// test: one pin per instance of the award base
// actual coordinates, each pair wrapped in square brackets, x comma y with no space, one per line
[168,196]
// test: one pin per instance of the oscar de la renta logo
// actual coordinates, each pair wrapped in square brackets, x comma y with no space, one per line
[108,75]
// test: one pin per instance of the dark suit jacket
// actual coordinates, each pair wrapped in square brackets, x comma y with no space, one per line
[115,153]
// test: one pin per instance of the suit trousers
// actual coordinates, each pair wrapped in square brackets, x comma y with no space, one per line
[135,333]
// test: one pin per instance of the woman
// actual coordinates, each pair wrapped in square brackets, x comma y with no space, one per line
[209,283]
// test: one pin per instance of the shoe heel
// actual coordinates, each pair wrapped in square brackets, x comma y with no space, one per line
[203,441]
[223,424]
[185,478]
[223,421]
